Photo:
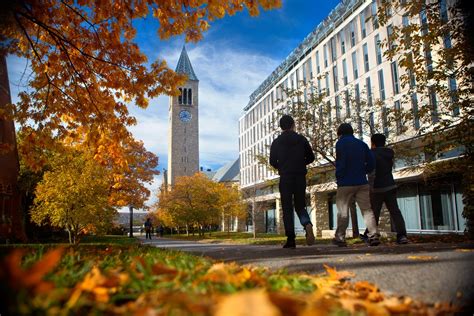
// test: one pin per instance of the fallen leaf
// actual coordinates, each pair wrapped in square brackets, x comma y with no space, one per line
[464,250]
[421,258]
[337,275]
[248,303]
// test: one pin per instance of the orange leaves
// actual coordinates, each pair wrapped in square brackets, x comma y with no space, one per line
[30,279]
[255,302]
[337,275]
[100,286]
[421,258]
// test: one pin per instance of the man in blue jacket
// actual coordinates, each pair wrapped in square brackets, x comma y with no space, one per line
[354,161]
[290,153]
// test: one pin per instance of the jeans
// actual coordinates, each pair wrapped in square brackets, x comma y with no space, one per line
[344,197]
[390,199]
[293,189]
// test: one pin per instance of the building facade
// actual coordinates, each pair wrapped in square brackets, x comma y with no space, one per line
[343,56]
[183,140]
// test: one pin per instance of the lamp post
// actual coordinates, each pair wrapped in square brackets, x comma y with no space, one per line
[131,221]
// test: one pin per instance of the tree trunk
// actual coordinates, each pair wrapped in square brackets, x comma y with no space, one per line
[187,230]
[69,234]
[131,221]
[253,220]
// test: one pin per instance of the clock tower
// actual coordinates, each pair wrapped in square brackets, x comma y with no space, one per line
[183,140]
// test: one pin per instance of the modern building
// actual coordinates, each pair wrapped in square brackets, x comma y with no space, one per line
[342,55]
[183,141]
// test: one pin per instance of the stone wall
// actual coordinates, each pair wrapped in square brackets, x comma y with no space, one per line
[319,203]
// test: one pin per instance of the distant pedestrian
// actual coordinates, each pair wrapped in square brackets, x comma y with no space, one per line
[384,189]
[354,161]
[161,230]
[290,153]
[148,228]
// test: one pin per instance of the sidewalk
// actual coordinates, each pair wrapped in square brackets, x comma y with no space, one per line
[431,272]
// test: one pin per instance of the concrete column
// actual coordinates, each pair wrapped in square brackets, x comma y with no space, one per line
[279,217]
[319,202]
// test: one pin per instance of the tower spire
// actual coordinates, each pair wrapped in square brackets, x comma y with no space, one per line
[184,66]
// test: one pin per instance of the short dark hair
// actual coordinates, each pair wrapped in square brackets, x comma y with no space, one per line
[286,122]
[345,129]
[378,140]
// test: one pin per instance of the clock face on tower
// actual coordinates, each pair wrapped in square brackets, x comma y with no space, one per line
[185,116]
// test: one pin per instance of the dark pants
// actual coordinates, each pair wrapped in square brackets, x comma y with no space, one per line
[148,233]
[390,200]
[293,190]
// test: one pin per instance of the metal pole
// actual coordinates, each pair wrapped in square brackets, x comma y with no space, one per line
[131,221]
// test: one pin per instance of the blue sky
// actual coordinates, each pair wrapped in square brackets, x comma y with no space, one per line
[235,56]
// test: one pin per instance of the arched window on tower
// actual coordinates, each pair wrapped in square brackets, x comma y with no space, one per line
[190,97]
[185,96]
[180,97]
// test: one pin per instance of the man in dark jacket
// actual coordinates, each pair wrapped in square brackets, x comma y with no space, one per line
[353,162]
[383,187]
[290,153]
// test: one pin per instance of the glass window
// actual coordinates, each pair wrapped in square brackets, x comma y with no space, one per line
[335,79]
[325,55]
[398,123]
[347,100]
[180,97]
[436,207]
[395,78]
[407,200]
[368,87]
[352,33]
[354,65]
[327,85]
[381,85]
[433,104]
[375,19]
[342,35]
[338,107]
[366,57]
[318,68]
[344,71]
[414,106]
[332,44]
[363,30]
[378,49]
[190,97]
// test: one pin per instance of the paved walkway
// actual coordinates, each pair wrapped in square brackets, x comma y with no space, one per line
[436,271]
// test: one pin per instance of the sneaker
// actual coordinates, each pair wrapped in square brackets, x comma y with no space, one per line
[364,238]
[309,234]
[402,240]
[339,243]
[374,242]
[290,244]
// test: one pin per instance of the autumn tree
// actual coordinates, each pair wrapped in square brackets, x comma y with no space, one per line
[192,202]
[434,48]
[73,195]
[87,69]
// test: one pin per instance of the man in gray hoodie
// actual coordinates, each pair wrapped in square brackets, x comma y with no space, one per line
[289,154]
[383,187]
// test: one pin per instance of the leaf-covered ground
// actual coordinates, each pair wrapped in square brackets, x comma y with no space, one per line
[116,279]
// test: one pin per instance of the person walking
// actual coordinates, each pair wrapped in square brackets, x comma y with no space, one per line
[384,189]
[289,154]
[354,161]
[148,228]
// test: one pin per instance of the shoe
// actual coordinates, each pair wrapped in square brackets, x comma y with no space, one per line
[364,238]
[402,240]
[309,234]
[339,243]
[374,242]
[290,244]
